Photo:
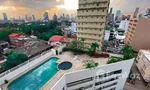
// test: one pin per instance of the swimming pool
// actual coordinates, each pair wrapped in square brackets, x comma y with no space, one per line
[37,77]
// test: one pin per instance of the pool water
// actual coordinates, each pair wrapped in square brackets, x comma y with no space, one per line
[37,77]
[65,65]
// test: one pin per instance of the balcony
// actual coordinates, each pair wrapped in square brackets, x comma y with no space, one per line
[95,5]
[88,36]
[97,32]
[92,1]
[91,19]
[91,25]
[92,12]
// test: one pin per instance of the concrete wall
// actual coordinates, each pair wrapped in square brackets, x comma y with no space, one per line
[23,69]
[125,66]
[142,35]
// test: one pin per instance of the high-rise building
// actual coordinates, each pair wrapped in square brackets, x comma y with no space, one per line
[26,17]
[128,17]
[91,19]
[111,10]
[107,77]
[148,11]
[46,17]
[137,34]
[118,15]
[5,16]
[124,25]
[33,16]
[136,12]
[55,18]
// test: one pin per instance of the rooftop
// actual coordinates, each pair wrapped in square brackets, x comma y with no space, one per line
[146,53]
[15,35]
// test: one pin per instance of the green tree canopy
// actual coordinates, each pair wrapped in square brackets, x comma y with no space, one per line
[128,52]
[14,59]
[4,34]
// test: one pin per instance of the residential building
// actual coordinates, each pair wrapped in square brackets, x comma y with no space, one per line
[136,12]
[138,34]
[124,25]
[5,16]
[106,77]
[3,45]
[15,39]
[91,19]
[143,64]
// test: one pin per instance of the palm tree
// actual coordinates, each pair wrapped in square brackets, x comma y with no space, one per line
[94,46]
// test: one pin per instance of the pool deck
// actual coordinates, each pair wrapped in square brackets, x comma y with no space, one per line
[76,60]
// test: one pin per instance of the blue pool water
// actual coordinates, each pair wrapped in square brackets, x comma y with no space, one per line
[37,77]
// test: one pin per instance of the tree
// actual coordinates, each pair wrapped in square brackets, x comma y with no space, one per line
[128,52]
[4,34]
[94,46]
[116,26]
[26,29]
[14,59]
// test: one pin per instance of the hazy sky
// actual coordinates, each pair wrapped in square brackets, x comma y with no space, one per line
[16,8]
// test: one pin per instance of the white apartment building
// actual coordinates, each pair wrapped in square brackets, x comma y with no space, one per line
[106,77]
[91,20]
[143,64]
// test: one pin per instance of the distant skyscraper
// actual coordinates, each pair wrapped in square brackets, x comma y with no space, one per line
[5,16]
[30,19]
[148,11]
[118,15]
[128,17]
[55,18]
[46,16]
[111,9]
[33,16]
[136,12]
[26,17]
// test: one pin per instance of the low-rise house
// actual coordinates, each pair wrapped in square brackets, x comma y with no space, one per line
[143,64]
[15,39]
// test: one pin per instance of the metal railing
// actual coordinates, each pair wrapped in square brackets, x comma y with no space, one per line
[22,64]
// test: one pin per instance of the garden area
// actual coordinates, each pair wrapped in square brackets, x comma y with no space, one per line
[78,47]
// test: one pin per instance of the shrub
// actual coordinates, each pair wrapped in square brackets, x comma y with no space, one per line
[114,59]
[90,64]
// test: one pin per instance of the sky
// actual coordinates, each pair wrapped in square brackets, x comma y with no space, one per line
[16,8]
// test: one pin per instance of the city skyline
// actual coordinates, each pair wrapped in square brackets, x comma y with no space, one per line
[38,7]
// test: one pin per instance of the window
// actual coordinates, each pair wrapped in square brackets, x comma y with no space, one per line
[97,4]
[86,10]
[92,10]
[103,10]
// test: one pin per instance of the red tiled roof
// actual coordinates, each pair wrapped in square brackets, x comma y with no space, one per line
[56,38]
[15,35]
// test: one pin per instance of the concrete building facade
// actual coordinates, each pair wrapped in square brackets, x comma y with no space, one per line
[91,20]
[143,64]
[138,34]
[107,77]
